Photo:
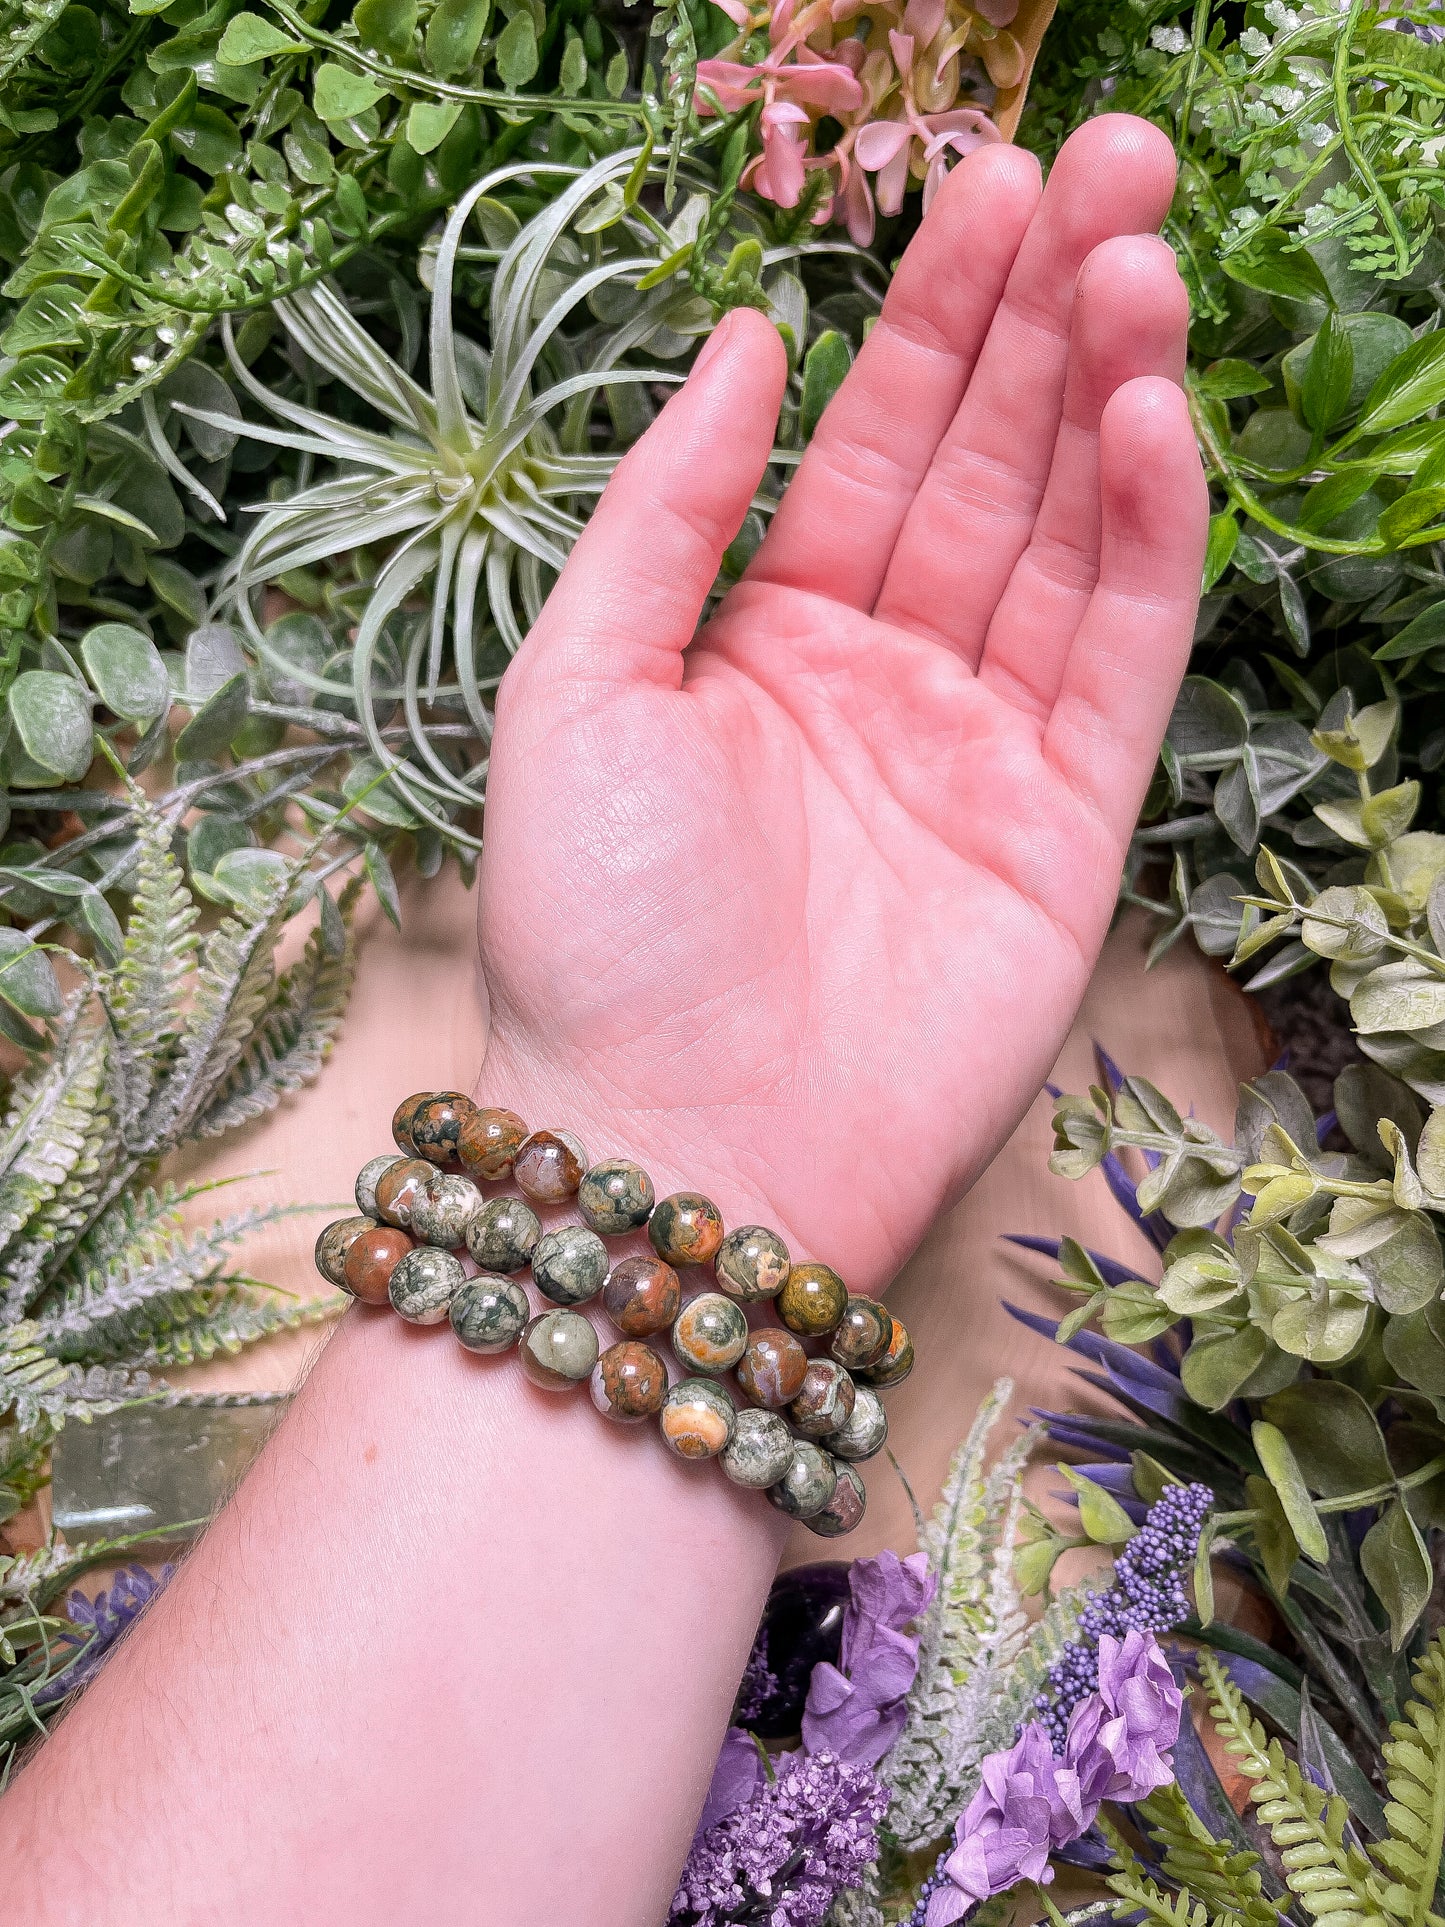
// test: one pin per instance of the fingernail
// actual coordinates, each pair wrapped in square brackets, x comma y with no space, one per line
[716,341]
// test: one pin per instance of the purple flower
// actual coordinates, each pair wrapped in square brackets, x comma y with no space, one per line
[1031,1802]
[780,1858]
[856,1709]
[759,1682]
[735,1778]
[103,1619]
[1120,1736]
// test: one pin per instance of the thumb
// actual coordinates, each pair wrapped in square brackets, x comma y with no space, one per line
[628,601]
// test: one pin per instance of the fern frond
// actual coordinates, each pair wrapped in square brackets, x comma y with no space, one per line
[52,1116]
[971,1690]
[1329,1877]
[1142,1897]
[1415,1811]
[294,1031]
[142,995]
[234,979]
[237,1312]
[1226,1880]
[117,1307]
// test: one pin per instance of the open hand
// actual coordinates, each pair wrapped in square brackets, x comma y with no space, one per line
[799,910]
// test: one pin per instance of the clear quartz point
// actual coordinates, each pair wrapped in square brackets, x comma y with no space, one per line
[153,1468]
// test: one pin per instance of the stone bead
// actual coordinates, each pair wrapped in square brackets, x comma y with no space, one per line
[370,1260]
[686,1229]
[422,1284]
[488,1313]
[488,1143]
[569,1265]
[629,1382]
[642,1296]
[616,1196]
[406,1112]
[772,1368]
[436,1127]
[444,1207]
[760,1449]
[812,1301]
[825,1401]
[844,1510]
[558,1349]
[808,1484]
[549,1166]
[752,1263]
[333,1244]
[398,1188]
[710,1334]
[366,1179]
[697,1418]
[862,1335]
[895,1364]
[865,1433]
[503,1235]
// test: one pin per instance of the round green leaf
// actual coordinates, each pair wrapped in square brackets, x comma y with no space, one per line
[453,35]
[214,837]
[27,979]
[1334,1436]
[248,37]
[51,713]
[126,670]
[341,94]
[517,56]
[250,878]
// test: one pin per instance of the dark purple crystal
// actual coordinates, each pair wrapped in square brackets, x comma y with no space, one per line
[802,1626]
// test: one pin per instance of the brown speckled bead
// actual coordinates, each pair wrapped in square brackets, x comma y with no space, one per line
[549,1166]
[862,1335]
[710,1334]
[629,1382]
[772,1368]
[642,1296]
[895,1364]
[332,1246]
[809,1482]
[371,1259]
[812,1301]
[443,1208]
[825,1401]
[436,1126]
[488,1143]
[846,1507]
[615,1197]
[752,1263]
[686,1229]
[398,1188]
[504,1234]
[697,1419]
[405,1115]
[558,1350]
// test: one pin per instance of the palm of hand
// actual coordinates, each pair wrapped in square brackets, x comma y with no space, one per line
[809,921]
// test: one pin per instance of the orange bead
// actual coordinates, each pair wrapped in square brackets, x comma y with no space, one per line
[371,1259]
[489,1142]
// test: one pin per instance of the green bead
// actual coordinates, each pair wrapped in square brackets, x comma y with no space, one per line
[697,1419]
[366,1181]
[862,1335]
[710,1334]
[759,1451]
[865,1432]
[503,1235]
[812,1301]
[421,1286]
[752,1263]
[488,1314]
[558,1350]
[615,1197]
[844,1510]
[569,1265]
[808,1484]
[443,1208]
[334,1243]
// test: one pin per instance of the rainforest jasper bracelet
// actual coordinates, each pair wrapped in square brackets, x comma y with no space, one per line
[806,1407]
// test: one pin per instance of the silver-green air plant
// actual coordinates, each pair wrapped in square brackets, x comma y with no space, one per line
[478,489]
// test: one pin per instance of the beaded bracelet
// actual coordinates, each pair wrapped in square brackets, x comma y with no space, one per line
[809,1417]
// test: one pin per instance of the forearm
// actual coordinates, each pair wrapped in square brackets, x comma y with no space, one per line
[458,1648]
